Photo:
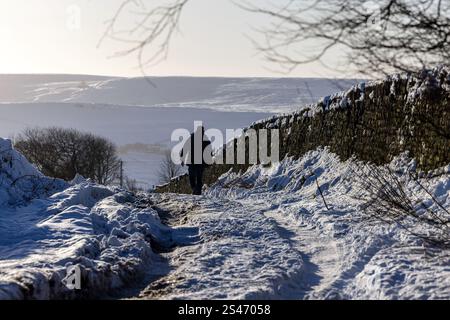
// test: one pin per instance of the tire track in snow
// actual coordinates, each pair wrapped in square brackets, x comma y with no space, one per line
[236,269]
[160,277]
[320,254]
[321,258]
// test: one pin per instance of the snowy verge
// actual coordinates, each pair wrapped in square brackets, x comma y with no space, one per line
[372,260]
[267,234]
[47,227]
[19,180]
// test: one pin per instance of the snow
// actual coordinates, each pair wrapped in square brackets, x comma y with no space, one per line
[428,80]
[241,255]
[266,234]
[261,234]
[139,116]
[271,95]
[44,231]
[19,180]
[141,134]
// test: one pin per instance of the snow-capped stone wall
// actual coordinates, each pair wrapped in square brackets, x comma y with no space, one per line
[375,122]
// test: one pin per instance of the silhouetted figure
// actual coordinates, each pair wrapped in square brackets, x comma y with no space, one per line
[196,158]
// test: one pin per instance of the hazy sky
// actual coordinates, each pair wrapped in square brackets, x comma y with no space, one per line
[39,36]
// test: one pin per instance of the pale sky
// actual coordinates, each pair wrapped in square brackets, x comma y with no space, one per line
[38,36]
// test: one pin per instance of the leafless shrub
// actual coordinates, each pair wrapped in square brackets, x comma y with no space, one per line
[131,185]
[384,197]
[168,169]
[33,187]
[25,187]
[62,153]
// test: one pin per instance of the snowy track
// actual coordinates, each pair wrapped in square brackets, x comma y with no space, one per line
[242,254]
[266,234]
[321,256]
[262,234]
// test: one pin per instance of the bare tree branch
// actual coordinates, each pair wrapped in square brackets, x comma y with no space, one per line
[377,37]
[154,29]
[374,37]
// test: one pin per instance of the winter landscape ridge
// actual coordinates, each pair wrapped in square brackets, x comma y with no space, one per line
[139,115]
[263,232]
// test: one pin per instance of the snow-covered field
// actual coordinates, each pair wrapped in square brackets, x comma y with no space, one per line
[271,95]
[139,115]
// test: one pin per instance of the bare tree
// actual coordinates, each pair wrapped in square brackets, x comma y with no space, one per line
[376,37]
[168,169]
[62,153]
[153,29]
[132,185]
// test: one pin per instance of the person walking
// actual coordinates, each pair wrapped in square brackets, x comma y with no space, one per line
[194,156]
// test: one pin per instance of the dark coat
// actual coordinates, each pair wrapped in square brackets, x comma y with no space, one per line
[189,149]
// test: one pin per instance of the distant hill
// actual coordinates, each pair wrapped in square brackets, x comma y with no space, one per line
[224,94]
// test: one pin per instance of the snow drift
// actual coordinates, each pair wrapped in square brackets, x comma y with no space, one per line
[373,260]
[266,233]
[47,226]
[19,180]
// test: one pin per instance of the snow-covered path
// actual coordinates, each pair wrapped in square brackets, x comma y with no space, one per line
[241,253]
[266,234]
[261,234]
[321,256]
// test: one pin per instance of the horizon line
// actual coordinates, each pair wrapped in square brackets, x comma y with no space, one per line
[174,76]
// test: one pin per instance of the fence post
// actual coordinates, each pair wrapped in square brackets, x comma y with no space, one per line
[121,173]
